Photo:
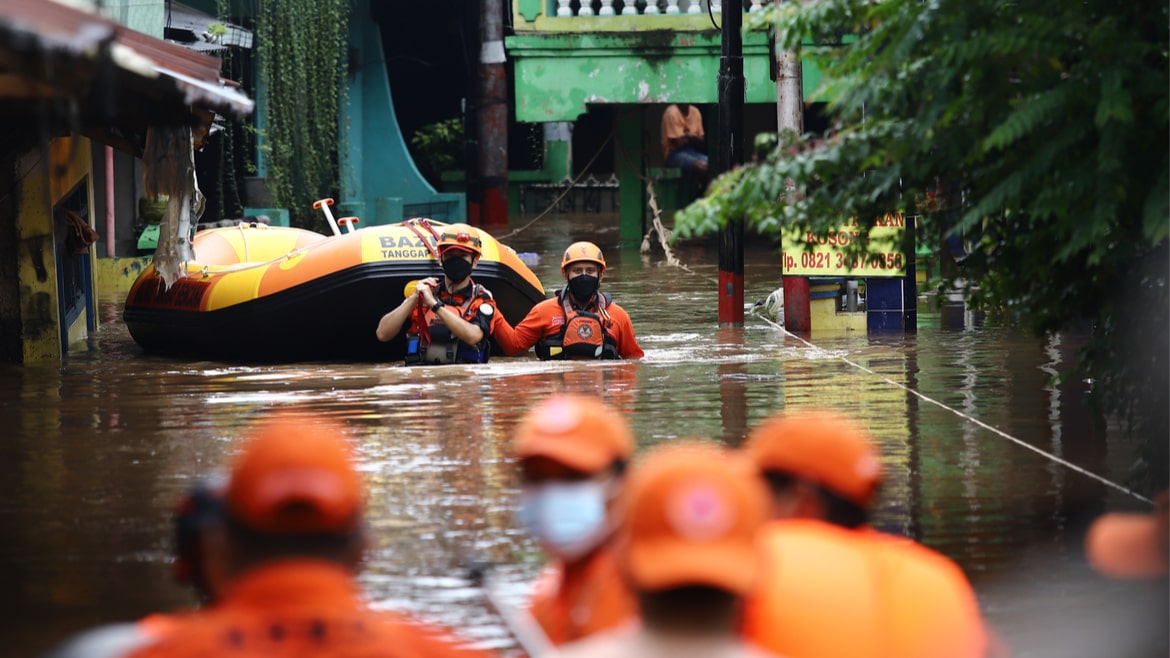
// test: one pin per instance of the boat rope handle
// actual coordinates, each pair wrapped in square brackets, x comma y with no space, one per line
[967,417]
[412,224]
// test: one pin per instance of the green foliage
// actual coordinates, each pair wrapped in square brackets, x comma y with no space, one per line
[302,50]
[439,147]
[1042,130]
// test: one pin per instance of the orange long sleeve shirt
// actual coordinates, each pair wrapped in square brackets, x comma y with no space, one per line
[547,318]
[572,603]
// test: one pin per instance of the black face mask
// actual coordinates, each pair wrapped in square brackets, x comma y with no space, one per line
[456,268]
[583,287]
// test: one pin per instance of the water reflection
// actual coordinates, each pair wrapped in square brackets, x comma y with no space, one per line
[97,450]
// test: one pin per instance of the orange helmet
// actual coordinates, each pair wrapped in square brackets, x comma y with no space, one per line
[586,251]
[460,236]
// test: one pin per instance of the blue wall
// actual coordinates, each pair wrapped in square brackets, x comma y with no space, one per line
[380,183]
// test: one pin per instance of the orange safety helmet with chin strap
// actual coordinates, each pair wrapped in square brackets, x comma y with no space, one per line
[583,251]
[460,236]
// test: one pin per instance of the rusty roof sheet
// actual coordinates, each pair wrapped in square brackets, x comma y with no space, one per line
[46,26]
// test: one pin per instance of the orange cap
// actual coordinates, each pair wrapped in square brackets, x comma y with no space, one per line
[1128,545]
[296,476]
[825,447]
[691,513]
[577,431]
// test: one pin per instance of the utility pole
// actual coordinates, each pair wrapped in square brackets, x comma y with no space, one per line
[731,95]
[790,119]
[492,126]
[470,13]
[789,90]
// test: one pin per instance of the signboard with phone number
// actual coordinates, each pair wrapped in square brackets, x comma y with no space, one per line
[826,253]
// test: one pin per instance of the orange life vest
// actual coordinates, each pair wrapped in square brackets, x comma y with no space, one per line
[583,334]
[438,345]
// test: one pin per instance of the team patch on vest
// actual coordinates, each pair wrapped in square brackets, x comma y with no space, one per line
[584,332]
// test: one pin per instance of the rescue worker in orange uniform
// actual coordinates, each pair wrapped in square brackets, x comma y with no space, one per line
[687,545]
[198,510]
[450,318]
[1131,545]
[832,586]
[579,322]
[572,451]
[290,540]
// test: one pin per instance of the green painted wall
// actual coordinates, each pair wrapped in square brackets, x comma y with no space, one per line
[557,75]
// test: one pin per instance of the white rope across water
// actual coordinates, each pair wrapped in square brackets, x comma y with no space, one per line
[976,421]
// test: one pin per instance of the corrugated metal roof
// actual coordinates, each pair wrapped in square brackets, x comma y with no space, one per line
[33,30]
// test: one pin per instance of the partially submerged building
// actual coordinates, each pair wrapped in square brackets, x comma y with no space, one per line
[81,98]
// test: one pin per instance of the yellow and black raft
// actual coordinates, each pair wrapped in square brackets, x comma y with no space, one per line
[276,294]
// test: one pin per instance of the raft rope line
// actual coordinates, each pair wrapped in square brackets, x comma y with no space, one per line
[206,271]
[976,421]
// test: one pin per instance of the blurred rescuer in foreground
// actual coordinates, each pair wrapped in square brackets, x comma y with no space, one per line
[291,540]
[450,318]
[1132,546]
[196,514]
[572,451]
[579,322]
[687,546]
[832,586]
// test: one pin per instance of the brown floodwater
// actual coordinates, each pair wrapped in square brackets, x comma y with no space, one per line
[989,460]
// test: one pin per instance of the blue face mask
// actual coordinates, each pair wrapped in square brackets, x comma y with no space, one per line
[567,518]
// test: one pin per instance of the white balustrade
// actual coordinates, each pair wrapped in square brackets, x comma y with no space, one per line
[564,8]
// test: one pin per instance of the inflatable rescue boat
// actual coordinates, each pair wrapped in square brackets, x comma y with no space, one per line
[275,294]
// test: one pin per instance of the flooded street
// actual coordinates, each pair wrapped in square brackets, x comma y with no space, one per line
[97,450]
